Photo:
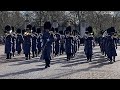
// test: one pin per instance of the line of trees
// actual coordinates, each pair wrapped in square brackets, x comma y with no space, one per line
[100,20]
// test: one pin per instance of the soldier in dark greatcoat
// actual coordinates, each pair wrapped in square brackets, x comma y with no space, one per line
[39,40]
[27,42]
[88,44]
[68,43]
[57,42]
[8,42]
[19,41]
[34,42]
[62,42]
[13,41]
[48,39]
[111,47]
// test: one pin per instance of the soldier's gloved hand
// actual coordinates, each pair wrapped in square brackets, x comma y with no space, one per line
[48,40]
[40,40]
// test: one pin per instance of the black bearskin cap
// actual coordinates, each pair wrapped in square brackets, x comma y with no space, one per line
[47,25]
[18,30]
[33,29]
[23,31]
[56,29]
[111,30]
[38,30]
[68,29]
[61,32]
[89,29]
[7,28]
[29,26]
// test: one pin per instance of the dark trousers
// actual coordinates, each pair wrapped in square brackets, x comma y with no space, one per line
[19,51]
[68,56]
[39,51]
[89,57]
[34,54]
[61,51]
[47,62]
[8,55]
[13,53]
[27,55]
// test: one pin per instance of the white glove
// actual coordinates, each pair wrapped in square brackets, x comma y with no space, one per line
[48,40]
[40,40]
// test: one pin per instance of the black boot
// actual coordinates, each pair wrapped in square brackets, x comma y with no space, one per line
[7,56]
[10,55]
[111,60]
[19,52]
[90,58]
[114,58]
[36,53]
[29,55]
[87,58]
[33,55]
[26,56]
[13,54]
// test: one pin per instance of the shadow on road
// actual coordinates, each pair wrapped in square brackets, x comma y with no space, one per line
[23,72]
[97,62]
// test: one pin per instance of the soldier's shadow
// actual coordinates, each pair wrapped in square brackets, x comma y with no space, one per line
[13,59]
[97,59]
[97,63]
[22,72]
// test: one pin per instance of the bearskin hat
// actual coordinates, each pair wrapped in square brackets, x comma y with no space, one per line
[47,25]
[110,30]
[68,29]
[89,29]
[7,28]
[33,29]
[61,32]
[29,26]
[23,31]
[56,29]
[38,30]
[18,30]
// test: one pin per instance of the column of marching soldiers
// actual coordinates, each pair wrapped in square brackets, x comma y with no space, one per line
[51,41]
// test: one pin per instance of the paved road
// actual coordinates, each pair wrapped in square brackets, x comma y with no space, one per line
[77,68]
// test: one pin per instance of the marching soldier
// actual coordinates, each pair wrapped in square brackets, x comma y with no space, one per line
[39,40]
[34,42]
[74,42]
[27,42]
[88,43]
[62,41]
[19,41]
[48,39]
[68,43]
[111,47]
[13,41]
[78,41]
[57,41]
[8,42]
[53,45]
